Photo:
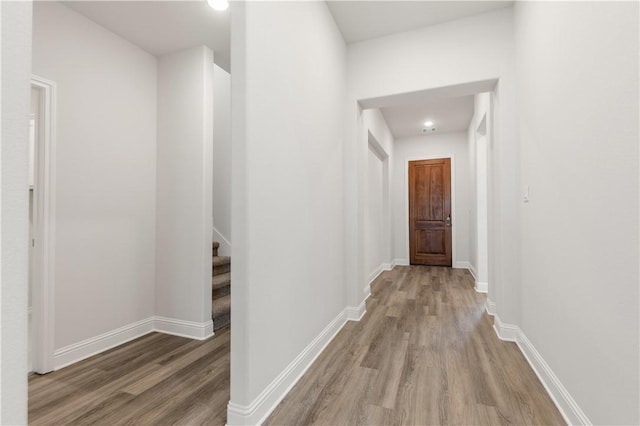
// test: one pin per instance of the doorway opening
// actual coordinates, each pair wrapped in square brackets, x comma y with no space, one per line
[451,122]
[41,225]
[377,215]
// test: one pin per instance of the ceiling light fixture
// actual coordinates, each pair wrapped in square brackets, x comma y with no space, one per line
[428,123]
[219,5]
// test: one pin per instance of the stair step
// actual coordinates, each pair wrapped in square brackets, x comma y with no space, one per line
[221,265]
[221,306]
[221,312]
[220,292]
[221,260]
[221,280]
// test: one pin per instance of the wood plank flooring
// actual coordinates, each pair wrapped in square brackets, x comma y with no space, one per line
[424,354]
[154,380]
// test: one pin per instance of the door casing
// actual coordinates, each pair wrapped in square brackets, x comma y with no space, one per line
[44,230]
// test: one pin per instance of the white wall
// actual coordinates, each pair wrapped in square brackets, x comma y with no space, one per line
[287,193]
[467,50]
[378,236]
[222,159]
[452,145]
[578,102]
[184,186]
[14,230]
[105,183]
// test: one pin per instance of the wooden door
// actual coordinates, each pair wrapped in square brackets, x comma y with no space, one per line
[430,212]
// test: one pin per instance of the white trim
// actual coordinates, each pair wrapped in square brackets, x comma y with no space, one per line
[490,307]
[568,407]
[94,345]
[373,275]
[225,244]
[506,332]
[44,232]
[482,287]
[400,262]
[454,221]
[461,265]
[472,270]
[89,347]
[355,313]
[260,408]
[190,329]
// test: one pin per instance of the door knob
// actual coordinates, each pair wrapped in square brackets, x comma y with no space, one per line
[449,220]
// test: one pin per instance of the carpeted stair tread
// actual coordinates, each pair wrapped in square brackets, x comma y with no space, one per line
[221,260]
[221,289]
[221,280]
[221,306]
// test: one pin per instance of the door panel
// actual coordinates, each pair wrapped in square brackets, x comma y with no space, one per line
[430,212]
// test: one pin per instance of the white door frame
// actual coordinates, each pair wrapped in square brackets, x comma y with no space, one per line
[375,147]
[44,229]
[451,157]
[482,205]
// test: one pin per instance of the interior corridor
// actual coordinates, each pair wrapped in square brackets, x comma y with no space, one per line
[425,353]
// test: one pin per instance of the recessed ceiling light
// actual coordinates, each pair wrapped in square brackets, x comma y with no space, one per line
[428,123]
[218,4]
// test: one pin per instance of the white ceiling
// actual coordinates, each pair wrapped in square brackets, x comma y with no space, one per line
[161,27]
[448,115]
[363,20]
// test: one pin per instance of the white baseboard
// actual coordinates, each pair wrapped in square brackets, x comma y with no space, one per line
[482,287]
[225,244]
[400,262]
[506,332]
[373,275]
[461,265]
[473,271]
[568,407]
[258,411]
[490,307]
[367,290]
[190,329]
[84,349]
[89,347]
[355,313]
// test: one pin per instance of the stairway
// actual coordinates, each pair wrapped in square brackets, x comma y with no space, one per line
[221,290]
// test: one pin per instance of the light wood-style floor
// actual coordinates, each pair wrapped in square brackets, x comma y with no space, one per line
[424,354]
[154,380]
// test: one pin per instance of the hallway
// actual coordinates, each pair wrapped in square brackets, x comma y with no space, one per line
[425,353]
